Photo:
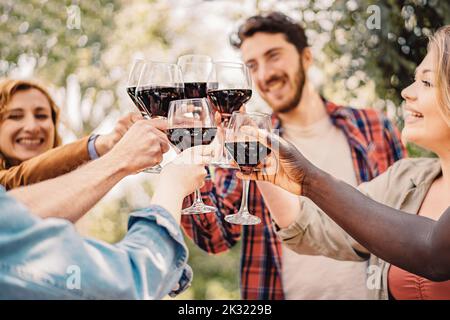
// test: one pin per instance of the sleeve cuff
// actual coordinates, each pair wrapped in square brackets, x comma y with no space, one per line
[165,220]
[184,283]
[297,227]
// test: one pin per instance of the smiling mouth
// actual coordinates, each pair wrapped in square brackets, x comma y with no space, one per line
[274,86]
[409,114]
[30,142]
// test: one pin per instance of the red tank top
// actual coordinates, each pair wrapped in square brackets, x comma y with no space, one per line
[407,286]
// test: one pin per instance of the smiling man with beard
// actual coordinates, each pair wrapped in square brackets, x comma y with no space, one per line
[354,145]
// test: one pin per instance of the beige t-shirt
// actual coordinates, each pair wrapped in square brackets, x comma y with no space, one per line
[318,277]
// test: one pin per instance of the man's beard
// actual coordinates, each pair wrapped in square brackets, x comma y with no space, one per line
[299,83]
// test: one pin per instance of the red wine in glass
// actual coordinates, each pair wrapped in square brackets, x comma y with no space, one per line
[132,93]
[194,90]
[226,101]
[156,99]
[247,154]
[184,138]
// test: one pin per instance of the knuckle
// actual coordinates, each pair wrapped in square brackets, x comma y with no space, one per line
[155,149]
[152,138]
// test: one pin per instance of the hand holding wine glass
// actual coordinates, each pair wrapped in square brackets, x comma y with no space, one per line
[184,176]
[248,153]
[105,142]
[191,123]
[141,146]
[180,178]
[285,167]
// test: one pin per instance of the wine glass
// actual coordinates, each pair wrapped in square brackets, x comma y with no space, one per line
[132,83]
[191,123]
[229,87]
[195,69]
[249,155]
[159,84]
[193,58]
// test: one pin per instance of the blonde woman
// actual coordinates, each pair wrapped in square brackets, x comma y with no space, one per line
[417,240]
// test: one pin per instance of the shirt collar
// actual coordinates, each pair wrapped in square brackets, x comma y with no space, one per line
[435,170]
[339,117]
[344,119]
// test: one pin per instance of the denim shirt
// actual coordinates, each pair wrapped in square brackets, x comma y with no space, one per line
[48,259]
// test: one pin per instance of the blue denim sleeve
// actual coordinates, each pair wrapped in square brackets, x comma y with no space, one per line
[48,259]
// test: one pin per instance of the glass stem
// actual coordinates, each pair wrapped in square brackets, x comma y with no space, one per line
[245,188]
[198,197]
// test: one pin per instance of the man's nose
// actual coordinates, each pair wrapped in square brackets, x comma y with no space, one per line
[264,74]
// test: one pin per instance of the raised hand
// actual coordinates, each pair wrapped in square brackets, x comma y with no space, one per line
[187,171]
[285,167]
[142,146]
[181,177]
[106,142]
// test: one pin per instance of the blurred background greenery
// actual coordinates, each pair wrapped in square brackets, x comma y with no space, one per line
[83,50]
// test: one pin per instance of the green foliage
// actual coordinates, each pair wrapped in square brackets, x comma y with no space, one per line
[215,276]
[59,39]
[106,221]
[415,151]
[48,31]
[389,55]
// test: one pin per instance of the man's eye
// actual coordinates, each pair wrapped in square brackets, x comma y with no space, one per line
[251,67]
[274,56]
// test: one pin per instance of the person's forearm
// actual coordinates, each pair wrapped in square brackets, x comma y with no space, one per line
[72,195]
[399,238]
[48,165]
[283,206]
[169,199]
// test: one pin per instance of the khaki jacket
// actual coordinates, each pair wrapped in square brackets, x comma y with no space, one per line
[50,164]
[403,186]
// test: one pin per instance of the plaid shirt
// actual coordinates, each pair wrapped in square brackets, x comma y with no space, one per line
[375,145]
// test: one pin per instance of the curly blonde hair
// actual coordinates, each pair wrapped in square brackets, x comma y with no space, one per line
[439,45]
[8,88]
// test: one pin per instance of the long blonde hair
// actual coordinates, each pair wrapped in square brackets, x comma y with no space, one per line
[8,88]
[439,45]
